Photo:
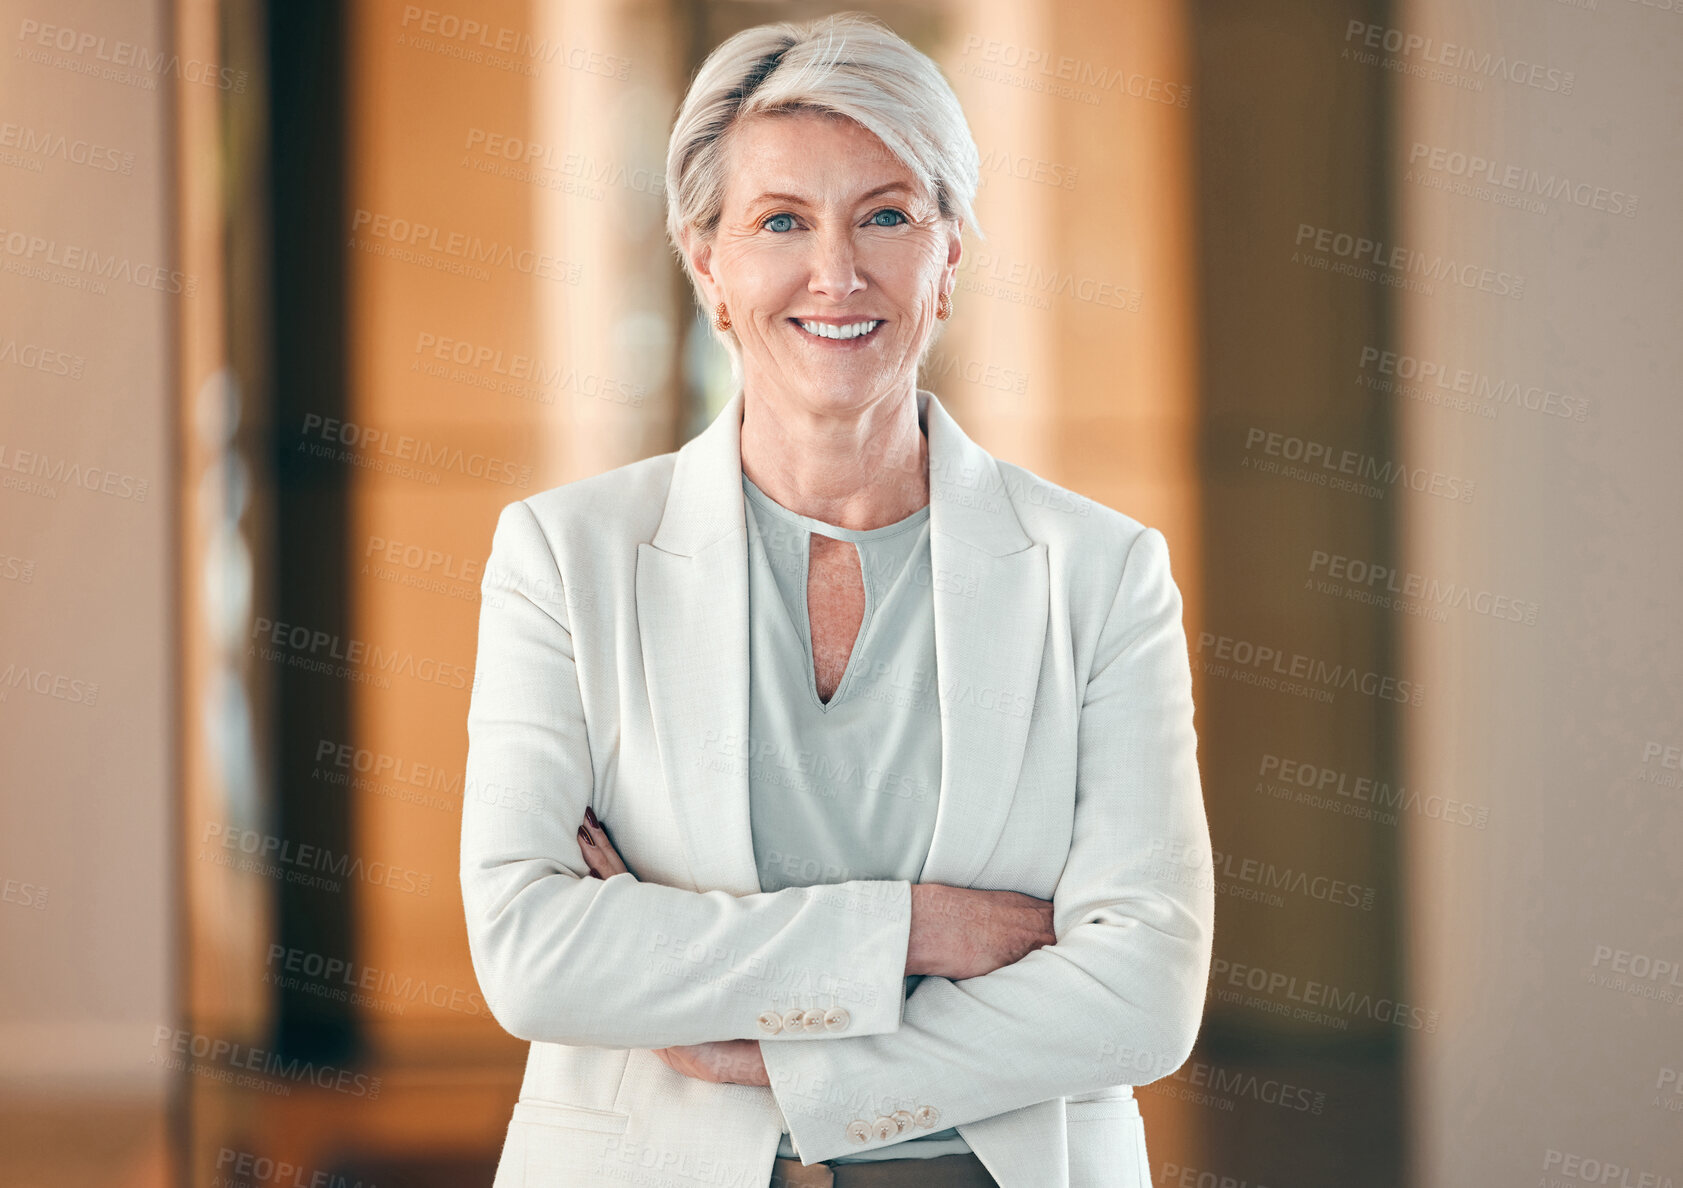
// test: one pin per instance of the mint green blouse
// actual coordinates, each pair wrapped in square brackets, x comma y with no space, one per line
[845,789]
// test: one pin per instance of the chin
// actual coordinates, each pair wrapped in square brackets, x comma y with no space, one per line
[844,392]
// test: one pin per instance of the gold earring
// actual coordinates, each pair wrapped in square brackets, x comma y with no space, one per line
[721,317]
[944,307]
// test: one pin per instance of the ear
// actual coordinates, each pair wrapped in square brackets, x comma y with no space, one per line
[955,248]
[700,256]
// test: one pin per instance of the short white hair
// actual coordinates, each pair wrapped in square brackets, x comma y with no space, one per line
[848,64]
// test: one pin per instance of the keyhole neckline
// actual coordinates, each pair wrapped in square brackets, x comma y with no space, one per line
[833,531]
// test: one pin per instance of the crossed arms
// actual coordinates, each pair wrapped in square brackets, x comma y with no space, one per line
[564,958]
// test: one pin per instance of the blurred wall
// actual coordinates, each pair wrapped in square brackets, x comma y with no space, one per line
[1550,940]
[89,285]
[88,281]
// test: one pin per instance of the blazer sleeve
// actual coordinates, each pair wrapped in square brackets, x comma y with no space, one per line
[1119,998]
[565,958]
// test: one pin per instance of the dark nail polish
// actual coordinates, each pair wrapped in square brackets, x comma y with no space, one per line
[584,836]
[590,815]
[596,874]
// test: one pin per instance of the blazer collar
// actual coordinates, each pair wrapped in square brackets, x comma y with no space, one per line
[989,582]
[967,495]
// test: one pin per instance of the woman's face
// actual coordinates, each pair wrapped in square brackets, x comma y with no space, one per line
[821,223]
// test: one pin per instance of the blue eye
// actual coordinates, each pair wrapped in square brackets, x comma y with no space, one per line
[780,215]
[892,211]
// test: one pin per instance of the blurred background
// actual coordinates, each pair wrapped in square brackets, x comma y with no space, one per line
[1372,308]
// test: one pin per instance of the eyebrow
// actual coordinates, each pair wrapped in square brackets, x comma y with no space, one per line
[883,189]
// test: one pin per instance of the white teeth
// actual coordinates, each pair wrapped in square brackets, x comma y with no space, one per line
[822,330]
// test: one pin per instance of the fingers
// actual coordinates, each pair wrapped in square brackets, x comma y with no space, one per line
[588,847]
[599,853]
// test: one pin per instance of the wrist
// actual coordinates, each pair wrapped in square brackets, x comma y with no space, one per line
[918,956]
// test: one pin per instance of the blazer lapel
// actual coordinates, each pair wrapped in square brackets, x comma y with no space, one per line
[991,605]
[990,590]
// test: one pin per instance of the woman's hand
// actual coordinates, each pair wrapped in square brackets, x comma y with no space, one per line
[737,1062]
[956,932]
[962,933]
[599,853]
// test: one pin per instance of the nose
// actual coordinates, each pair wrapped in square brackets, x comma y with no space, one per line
[834,267]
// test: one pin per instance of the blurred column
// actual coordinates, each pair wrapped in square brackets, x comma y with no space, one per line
[1296,666]
[602,122]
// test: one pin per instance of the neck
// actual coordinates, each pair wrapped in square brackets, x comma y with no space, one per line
[855,470]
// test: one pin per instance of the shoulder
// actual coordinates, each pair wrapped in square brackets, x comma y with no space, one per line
[1083,538]
[1110,572]
[619,506]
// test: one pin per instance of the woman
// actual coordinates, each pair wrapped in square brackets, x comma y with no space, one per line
[894,740]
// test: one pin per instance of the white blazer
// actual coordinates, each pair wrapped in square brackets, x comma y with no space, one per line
[613,671]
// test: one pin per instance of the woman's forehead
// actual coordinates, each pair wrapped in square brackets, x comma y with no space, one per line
[787,161]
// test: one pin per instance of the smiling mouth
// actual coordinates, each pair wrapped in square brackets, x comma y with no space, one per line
[860,331]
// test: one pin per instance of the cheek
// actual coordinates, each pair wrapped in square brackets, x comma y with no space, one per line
[908,266]
[760,274]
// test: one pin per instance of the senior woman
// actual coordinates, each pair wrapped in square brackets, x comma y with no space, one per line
[832,788]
